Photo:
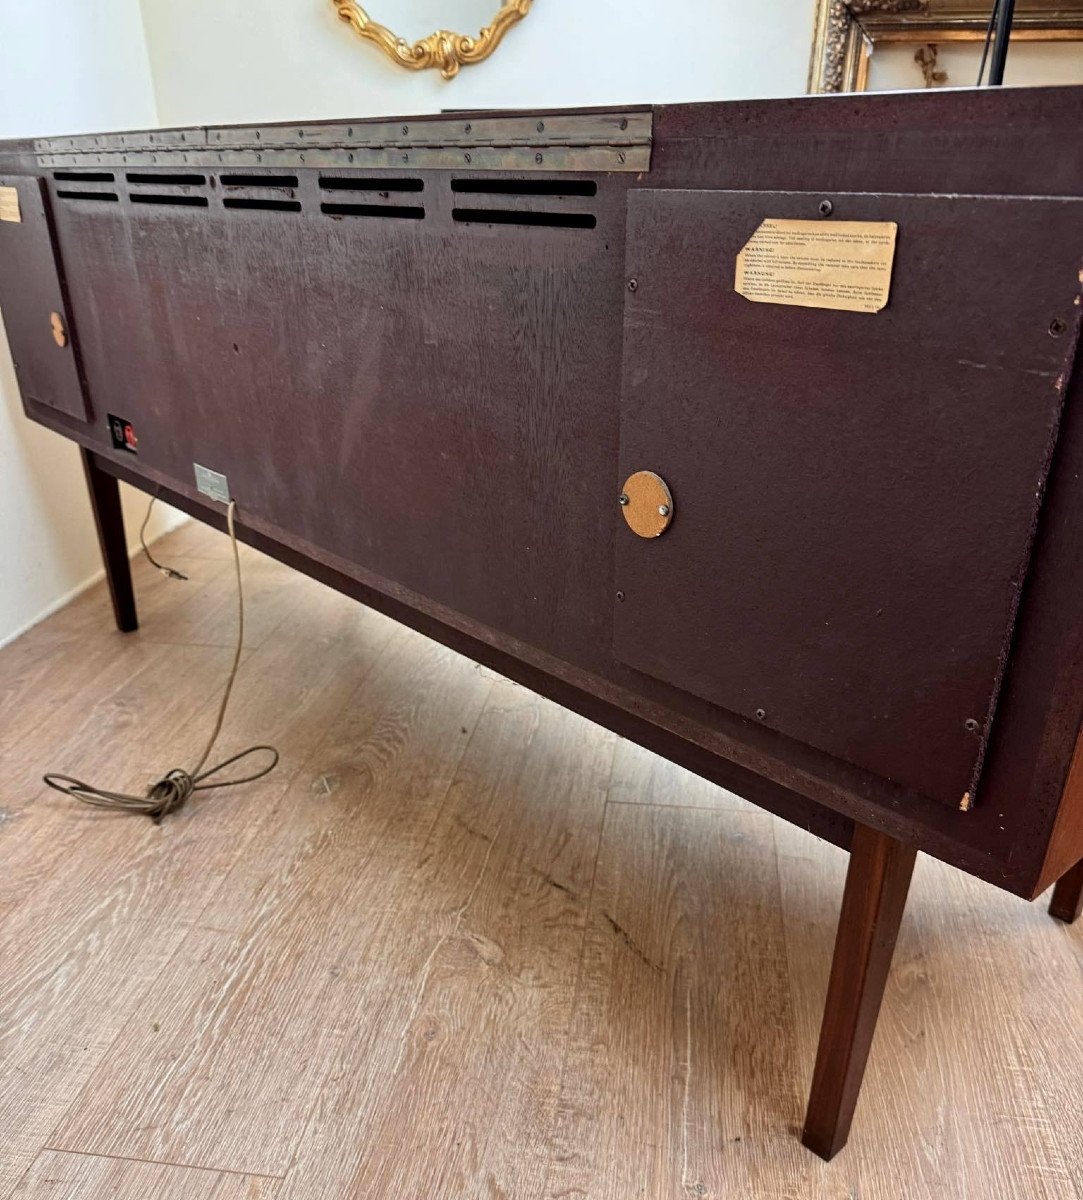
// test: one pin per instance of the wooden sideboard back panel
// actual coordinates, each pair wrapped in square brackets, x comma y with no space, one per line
[429,410]
[855,493]
[33,299]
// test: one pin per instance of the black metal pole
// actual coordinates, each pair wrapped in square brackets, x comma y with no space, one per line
[1005,13]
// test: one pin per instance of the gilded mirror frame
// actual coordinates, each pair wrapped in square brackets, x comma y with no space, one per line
[444,49]
[847,32]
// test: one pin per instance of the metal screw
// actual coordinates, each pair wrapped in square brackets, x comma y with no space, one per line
[469,128]
[663,510]
[620,597]
[406,129]
[623,499]
[541,126]
[406,158]
[826,208]
[620,157]
[624,123]
[633,284]
[538,158]
[761,713]
[300,133]
[466,157]
[1057,327]
[971,725]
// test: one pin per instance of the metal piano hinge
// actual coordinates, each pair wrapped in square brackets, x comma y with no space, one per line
[557,142]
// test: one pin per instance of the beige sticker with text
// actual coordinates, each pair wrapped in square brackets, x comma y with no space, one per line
[9,204]
[819,264]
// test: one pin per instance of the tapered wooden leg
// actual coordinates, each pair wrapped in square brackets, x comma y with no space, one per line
[1067,901]
[105,501]
[872,907]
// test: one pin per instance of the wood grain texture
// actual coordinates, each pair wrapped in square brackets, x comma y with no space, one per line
[394,968]
[236,1062]
[873,901]
[668,1089]
[56,1175]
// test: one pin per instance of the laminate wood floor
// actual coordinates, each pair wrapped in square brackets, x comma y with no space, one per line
[461,944]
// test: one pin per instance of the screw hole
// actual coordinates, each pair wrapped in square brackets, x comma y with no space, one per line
[1057,327]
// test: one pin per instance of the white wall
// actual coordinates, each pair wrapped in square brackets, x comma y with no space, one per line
[232,60]
[65,67]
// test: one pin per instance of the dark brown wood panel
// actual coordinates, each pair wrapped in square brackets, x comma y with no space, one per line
[31,291]
[518,566]
[855,492]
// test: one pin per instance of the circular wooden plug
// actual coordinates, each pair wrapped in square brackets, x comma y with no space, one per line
[647,504]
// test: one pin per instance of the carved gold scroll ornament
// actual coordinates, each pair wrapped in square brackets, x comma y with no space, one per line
[443,49]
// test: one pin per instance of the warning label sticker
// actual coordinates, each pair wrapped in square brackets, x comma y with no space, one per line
[819,264]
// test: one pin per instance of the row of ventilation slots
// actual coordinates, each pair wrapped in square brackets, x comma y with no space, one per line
[345,196]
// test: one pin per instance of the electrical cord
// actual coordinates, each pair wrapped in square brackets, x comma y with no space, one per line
[176,787]
[168,572]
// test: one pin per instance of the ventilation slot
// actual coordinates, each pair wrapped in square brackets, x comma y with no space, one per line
[334,183]
[259,181]
[74,195]
[84,176]
[166,180]
[527,187]
[168,198]
[511,216]
[400,211]
[250,202]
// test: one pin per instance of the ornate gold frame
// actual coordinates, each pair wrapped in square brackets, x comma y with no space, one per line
[443,49]
[847,31]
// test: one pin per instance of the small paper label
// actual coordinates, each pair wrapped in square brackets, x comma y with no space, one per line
[819,264]
[212,483]
[9,204]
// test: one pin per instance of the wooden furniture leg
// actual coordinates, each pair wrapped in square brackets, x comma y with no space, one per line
[872,907]
[105,501]
[1067,901]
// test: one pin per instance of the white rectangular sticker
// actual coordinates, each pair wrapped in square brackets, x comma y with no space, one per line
[819,264]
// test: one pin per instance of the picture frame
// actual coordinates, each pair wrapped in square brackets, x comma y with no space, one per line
[847,32]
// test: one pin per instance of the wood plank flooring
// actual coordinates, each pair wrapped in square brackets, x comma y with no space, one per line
[460,944]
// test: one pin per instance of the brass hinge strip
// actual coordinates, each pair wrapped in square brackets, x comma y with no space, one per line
[564,142]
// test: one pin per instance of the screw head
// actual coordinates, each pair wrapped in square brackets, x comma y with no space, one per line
[623,499]
[466,157]
[538,159]
[761,713]
[633,284]
[663,510]
[620,157]
[541,126]
[1057,327]
[469,128]
[826,208]
[624,123]
[620,597]
[971,725]
[406,129]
